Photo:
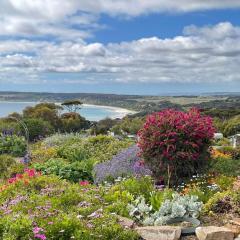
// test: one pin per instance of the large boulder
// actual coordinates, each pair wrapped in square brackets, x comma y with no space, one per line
[159,232]
[214,233]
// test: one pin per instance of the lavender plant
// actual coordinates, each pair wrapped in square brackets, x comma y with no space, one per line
[126,163]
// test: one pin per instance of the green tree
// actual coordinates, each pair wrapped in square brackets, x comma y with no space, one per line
[103,126]
[72,105]
[46,111]
[73,122]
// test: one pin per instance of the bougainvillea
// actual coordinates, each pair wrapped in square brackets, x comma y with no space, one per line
[175,144]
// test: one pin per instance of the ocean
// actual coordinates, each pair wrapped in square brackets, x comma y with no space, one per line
[90,112]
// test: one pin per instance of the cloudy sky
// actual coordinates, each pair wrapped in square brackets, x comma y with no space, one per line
[120,46]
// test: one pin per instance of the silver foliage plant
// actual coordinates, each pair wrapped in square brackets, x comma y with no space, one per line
[180,206]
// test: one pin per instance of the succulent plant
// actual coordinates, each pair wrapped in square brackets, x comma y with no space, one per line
[178,207]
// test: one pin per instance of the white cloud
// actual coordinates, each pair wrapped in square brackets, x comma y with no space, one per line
[207,54]
[78,19]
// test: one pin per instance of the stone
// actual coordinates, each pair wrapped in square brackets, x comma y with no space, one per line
[235,221]
[234,228]
[159,232]
[125,222]
[214,233]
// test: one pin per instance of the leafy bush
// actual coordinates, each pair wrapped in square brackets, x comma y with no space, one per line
[48,112]
[76,171]
[73,122]
[101,148]
[232,126]
[176,143]
[142,186]
[214,203]
[126,163]
[59,139]
[6,162]
[12,144]
[225,182]
[103,126]
[72,156]
[129,125]
[225,166]
[41,153]
[158,197]
[9,126]
[38,128]
[124,191]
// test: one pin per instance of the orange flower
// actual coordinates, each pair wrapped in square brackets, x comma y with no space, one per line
[26,181]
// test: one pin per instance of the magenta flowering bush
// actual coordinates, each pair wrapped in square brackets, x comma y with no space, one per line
[174,144]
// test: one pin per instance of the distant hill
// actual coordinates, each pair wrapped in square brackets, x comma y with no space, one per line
[144,104]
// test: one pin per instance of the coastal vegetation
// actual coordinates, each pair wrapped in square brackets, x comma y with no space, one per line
[76,179]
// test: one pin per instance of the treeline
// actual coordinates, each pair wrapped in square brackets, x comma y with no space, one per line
[42,120]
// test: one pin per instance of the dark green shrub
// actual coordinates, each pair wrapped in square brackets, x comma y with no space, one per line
[6,162]
[225,166]
[13,145]
[73,122]
[38,128]
[48,112]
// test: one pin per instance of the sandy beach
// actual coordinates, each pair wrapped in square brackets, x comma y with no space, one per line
[112,112]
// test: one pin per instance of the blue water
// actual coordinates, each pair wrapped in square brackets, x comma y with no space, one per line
[90,112]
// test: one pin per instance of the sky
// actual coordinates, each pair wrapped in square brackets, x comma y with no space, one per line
[151,47]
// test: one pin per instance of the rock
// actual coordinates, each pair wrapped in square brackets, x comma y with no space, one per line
[234,228]
[214,233]
[125,222]
[159,232]
[236,184]
[235,221]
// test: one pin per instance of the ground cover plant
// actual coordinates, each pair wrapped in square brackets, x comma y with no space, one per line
[43,207]
[73,157]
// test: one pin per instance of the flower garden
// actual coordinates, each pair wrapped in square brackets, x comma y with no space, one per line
[75,186]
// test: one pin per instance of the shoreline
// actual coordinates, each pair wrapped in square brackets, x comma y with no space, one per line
[118,111]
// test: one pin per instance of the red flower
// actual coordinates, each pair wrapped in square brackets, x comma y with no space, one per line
[170,137]
[84,183]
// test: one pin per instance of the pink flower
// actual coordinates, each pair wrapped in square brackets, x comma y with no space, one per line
[12,180]
[40,236]
[84,183]
[37,230]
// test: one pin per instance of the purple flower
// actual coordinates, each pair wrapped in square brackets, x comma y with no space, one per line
[26,159]
[126,163]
